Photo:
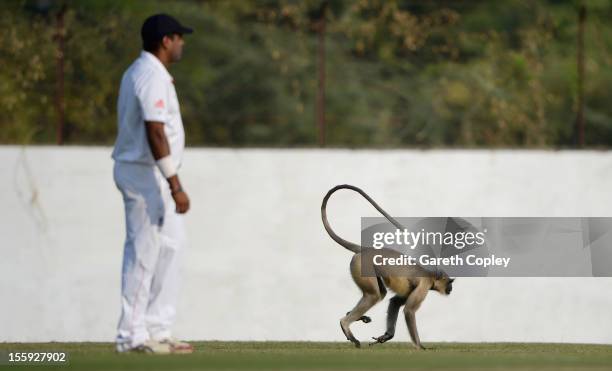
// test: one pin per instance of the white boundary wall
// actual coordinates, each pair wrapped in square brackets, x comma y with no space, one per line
[260,265]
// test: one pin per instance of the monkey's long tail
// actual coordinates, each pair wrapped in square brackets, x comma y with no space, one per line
[349,245]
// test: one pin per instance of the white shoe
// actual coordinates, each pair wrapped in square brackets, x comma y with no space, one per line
[148,347]
[176,346]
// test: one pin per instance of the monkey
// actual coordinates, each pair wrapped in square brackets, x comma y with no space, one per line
[409,283]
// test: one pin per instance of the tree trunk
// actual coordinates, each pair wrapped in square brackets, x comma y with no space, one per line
[59,75]
[580,122]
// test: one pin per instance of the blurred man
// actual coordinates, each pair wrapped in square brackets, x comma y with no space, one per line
[148,153]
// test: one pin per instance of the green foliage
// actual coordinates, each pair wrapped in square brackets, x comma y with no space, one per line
[399,73]
[24,75]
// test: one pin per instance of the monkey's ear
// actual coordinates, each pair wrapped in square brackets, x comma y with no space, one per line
[451,280]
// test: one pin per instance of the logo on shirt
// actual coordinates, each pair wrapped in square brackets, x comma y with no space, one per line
[159,104]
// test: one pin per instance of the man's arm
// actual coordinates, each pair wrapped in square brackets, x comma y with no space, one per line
[160,149]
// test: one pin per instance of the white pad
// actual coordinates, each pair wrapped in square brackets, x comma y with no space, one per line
[166,166]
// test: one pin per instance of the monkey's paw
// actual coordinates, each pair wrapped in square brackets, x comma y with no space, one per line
[382,339]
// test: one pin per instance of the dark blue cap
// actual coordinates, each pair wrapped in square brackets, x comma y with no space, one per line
[157,26]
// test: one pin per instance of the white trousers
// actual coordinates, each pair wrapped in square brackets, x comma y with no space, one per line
[155,239]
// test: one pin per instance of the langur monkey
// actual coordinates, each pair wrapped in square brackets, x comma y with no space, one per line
[410,286]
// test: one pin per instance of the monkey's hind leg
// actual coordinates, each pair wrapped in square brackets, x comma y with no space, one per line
[394,306]
[366,302]
[371,295]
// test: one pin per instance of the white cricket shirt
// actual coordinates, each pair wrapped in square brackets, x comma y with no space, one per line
[147,94]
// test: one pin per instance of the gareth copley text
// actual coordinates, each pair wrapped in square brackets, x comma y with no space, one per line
[455,260]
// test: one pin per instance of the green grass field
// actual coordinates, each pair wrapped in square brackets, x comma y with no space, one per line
[214,355]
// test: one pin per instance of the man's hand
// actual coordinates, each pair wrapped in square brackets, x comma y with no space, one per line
[178,194]
[181,200]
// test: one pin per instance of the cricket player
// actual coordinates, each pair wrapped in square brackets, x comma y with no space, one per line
[148,154]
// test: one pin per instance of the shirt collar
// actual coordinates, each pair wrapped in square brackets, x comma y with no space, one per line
[155,61]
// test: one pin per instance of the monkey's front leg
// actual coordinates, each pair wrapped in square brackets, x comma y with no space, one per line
[392,312]
[413,303]
[412,329]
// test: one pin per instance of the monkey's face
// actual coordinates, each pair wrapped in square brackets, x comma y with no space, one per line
[444,285]
[449,286]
